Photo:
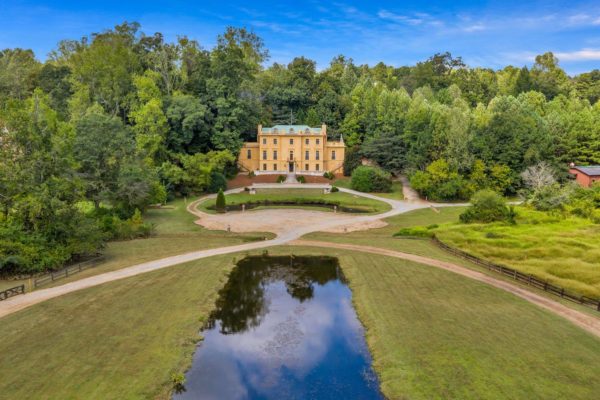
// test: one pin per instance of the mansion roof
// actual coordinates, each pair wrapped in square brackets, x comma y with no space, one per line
[291,129]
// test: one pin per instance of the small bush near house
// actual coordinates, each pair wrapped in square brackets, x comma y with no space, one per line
[329,175]
[488,206]
[251,174]
[220,203]
[301,179]
[280,179]
[371,179]
[334,189]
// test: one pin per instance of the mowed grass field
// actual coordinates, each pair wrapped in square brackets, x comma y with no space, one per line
[299,195]
[564,251]
[175,234]
[433,335]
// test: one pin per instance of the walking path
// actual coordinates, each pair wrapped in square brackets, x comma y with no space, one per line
[289,232]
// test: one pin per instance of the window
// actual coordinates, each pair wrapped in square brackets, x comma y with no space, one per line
[264,154]
[274,167]
[307,141]
[249,154]
[306,167]
[291,154]
[264,167]
[274,154]
[333,155]
[317,155]
[291,141]
[264,140]
[306,155]
[275,141]
[317,167]
[318,141]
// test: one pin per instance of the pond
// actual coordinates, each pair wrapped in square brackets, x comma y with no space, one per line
[284,328]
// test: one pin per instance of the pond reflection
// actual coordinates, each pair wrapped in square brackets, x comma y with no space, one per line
[284,328]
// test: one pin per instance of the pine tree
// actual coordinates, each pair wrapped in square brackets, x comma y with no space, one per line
[220,204]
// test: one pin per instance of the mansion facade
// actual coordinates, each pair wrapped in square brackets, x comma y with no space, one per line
[292,149]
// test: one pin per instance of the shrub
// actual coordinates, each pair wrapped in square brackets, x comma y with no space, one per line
[281,179]
[178,381]
[301,179]
[371,179]
[218,181]
[488,206]
[440,182]
[417,231]
[329,175]
[220,203]
[334,189]
[550,197]
[251,174]
[128,229]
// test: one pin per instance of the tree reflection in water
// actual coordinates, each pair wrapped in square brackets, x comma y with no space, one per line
[242,303]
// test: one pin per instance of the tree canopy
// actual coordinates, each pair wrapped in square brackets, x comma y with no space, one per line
[119,120]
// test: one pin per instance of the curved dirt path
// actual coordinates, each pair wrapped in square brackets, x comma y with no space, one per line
[290,231]
[290,235]
[582,320]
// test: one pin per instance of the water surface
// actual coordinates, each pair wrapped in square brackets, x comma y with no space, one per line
[284,328]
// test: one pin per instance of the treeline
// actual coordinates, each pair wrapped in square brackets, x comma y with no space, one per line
[120,120]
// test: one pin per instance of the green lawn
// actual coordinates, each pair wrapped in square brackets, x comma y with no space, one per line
[395,194]
[382,237]
[299,195]
[433,335]
[176,233]
[564,251]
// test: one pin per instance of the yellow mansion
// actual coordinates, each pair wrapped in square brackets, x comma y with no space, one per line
[292,148]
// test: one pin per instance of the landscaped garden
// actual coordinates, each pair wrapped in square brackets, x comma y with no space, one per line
[299,198]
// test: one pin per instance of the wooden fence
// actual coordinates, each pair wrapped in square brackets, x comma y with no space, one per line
[65,272]
[5,294]
[521,277]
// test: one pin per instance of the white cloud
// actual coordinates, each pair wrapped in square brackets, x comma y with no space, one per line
[475,27]
[579,55]
[416,19]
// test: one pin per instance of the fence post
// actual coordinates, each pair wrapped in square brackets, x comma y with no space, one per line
[562,292]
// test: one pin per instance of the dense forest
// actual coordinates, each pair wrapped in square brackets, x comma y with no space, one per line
[117,121]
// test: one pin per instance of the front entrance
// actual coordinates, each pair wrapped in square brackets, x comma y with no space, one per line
[291,166]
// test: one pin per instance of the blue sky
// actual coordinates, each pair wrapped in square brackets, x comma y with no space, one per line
[484,33]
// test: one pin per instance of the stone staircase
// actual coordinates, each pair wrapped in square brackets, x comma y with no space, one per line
[290,178]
